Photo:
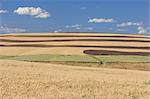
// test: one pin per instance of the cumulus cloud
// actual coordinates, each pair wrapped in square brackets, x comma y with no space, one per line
[128,24]
[37,12]
[138,25]
[11,30]
[101,20]
[3,11]
[143,30]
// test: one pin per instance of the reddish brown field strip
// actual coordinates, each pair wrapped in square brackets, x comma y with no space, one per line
[70,40]
[106,52]
[86,46]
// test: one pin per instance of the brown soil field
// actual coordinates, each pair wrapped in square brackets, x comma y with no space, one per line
[105,52]
[29,80]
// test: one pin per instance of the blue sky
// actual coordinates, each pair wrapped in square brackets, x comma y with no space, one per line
[118,16]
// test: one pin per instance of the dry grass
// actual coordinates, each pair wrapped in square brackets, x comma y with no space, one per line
[44,81]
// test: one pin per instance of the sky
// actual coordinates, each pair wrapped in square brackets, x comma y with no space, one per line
[110,16]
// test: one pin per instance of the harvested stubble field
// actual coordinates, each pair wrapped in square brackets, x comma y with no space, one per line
[52,66]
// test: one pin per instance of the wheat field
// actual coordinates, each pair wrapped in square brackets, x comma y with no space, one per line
[21,79]
[24,80]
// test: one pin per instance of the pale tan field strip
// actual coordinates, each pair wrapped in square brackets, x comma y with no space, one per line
[72,41]
[72,35]
[31,80]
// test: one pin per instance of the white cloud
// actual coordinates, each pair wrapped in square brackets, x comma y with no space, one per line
[75,26]
[3,11]
[142,30]
[37,12]
[78,27]
[59,30]
[128,24]
[11,30]
[139,26]
[101,20]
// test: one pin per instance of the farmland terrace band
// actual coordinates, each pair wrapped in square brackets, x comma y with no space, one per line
[86,46]
[70,40]
[106,52]
[71,36]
